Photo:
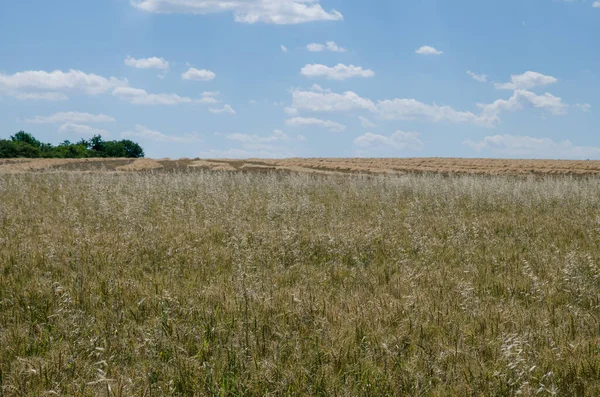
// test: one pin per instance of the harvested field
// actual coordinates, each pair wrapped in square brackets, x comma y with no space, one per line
[140,165]
[320,166]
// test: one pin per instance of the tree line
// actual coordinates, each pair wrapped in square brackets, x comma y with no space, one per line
[23,144]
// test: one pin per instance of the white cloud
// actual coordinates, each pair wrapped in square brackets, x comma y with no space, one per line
[330,102]
[279,12]
[138,96]
[338,72]
[482,78]
[71,117]
[399,140]
[145,133]
[329,46]
[490,112]
[39,96]
[428,50]
[52,85]
[284,48]
[225,109]
[304,121]
[526,81]
[366,123]
[546,101]
[209,97]
[318,88]
[199,75]
[314,47]
[521,146]
[81,130]
[147,63]
[263,152]
[276,136]
[585,107]
[269,146]
[409,109]
[290,111]
[596,4]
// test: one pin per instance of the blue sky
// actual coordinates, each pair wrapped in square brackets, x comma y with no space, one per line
[307,78]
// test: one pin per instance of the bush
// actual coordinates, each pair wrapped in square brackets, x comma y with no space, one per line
[23,144]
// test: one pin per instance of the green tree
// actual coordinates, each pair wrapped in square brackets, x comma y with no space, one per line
[23,144]
[26,137]
[7,149]
[113,149]
[132,149]
[27,150]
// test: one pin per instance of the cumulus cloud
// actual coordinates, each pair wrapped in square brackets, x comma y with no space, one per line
[147,63]
[280,12]
[138,96]
[490,112]
[71,117]
[366,123]
[428,50]
[255,146]
[305,121]
[330,102]
[596,4]
[412,109]
[328,46]
[318,88]
[521,146]
[482,78]
[81,130]
[338,72]
[198,75]
[409,109]
[399,140]
[225,109]
[145,133]
[43,85]
[53,85]
[526,81]
[276,136]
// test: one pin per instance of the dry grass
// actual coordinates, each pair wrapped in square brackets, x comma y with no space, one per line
[325,166]
[211,165]
[28,165]
[446,165]
[219,283]
[141,165]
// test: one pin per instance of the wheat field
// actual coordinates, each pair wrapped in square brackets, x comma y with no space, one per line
[198,282]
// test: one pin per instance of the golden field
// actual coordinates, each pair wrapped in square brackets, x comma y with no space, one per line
[326,281]
[317,165]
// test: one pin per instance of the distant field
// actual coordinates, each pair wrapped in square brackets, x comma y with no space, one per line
[283,283]
[316,165]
